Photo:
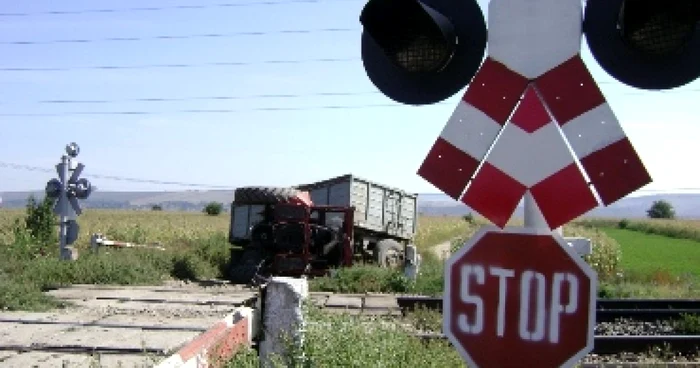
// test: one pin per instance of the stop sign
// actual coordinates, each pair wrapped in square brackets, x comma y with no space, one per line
[519,297]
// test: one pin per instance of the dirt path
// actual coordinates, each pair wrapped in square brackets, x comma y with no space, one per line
[442,250]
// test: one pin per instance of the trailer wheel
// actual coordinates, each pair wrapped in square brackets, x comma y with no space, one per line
[243,271]
[388,253]
[263,195]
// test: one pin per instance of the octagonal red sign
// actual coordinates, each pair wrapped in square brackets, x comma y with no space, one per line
[519,297]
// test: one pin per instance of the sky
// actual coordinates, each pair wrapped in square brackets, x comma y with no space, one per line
[256,141]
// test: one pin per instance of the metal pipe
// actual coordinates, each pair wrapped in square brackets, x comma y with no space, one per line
[64,253]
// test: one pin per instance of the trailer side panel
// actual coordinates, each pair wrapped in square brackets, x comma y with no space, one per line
[378,208]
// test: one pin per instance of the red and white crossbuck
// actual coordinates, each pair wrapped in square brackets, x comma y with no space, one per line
[532,94]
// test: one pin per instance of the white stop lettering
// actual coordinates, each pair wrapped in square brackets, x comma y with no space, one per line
[531,282]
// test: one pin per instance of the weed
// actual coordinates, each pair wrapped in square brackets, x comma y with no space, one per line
[688,324]
[623,224]
[425,319]
[340,340]
[607,254]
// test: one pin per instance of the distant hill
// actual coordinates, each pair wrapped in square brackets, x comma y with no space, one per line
[175,201]
[686,205]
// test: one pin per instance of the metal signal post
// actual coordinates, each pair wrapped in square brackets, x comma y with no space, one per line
[67,190]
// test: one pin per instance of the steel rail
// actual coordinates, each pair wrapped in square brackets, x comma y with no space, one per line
[607,309]
[612,344]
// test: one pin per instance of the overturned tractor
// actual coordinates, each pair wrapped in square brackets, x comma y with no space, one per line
[310,229]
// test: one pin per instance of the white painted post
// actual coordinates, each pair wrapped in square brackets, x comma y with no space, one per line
[283,321]
[533,215]
[412,265]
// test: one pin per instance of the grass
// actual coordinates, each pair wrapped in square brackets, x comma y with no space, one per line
[24,275]
[342,340]
[171,229]
[649,253]
[605,260]
[196,248]
[678,229]
[433,230]
[660,257]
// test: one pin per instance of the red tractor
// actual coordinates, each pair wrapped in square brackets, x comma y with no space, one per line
[281,231]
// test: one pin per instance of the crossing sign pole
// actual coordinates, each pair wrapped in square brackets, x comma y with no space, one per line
[67,189]
[66,253]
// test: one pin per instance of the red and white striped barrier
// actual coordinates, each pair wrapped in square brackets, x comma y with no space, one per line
[218,344]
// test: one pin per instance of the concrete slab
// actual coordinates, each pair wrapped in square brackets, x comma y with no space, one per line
[151,296]
[19,334]
[350,311]
[193,324]
[318,300]
[133,333]
[385,302]
[71,315]
[49,360]
[100,338]
[61,360]
[5,355]
[111,307]
[336,300]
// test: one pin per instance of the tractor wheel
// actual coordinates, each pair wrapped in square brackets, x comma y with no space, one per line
[263,195]
[243,271]
[389,253]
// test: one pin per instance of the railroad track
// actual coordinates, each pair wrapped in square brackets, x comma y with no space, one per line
[631,344]
[607,310]
[116,325]
[610,310]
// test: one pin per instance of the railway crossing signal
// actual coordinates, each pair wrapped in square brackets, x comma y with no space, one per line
[422,51]
[67,189]
[508,134]
[519,297]
[531,124]
[646,44]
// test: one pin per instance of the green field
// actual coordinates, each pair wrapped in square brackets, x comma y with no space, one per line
[649,253]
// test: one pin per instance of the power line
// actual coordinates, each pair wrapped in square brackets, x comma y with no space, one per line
[264,96]
[176,66]
[231,98]
[182,37]
[114,177]
[207,111]
[211,98]
[172,7]
[213,186]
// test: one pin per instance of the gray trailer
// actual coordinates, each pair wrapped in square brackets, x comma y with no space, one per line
[318,226]
[380,211]
[385,218]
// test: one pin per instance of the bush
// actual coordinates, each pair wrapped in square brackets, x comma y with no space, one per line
[213,208]
[40,220]
[361,279]
[661,210]
[607,254]
[469,218]
[156,207]
[688,324]
[623,224]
